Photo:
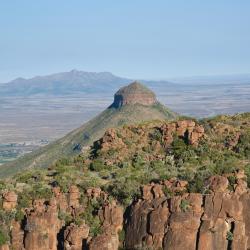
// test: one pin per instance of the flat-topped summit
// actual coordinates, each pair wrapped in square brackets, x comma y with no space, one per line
[134,93]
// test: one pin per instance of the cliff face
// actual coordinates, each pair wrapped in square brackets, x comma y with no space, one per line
[134,93]
[43,227]
[219,219]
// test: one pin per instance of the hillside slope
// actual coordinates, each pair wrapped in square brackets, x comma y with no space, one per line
[75,141]
[156,185]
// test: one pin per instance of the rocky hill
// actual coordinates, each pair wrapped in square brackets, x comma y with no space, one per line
[133,104]
[156,185]
[135,93]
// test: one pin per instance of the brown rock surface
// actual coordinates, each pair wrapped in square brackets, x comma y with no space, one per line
[111,216]
[219,220]
[5,247]
[42,227]
[74,236]
[132,94]
[73,196]
[108,240]
[17,235]
[9,200]
[186,129]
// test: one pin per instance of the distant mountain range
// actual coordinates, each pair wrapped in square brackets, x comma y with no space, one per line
[72,82]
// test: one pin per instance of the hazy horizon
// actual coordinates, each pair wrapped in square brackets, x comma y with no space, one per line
[173,78]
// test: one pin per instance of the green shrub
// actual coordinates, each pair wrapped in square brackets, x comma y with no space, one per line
[24,200]
[19,216]
[97,165]
[3,237]
[91,218]
[167,192]
[121,235]
[232,181]
[67,218]
[156,135]
[184,205]
[230,236]
[40,191]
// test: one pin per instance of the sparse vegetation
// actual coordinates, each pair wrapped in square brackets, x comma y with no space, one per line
[120,173]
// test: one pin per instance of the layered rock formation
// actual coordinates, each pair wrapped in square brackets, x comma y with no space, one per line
[134,93]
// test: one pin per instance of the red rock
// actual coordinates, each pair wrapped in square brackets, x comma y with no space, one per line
[17,235]
[73,196]
[4,247]
[9,200]
[218,183]
[108,240]
[74,236]
[112,215]
[42,227]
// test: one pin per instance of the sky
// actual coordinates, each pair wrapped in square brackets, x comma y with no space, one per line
[148,39]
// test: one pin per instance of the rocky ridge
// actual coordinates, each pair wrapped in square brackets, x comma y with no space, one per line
[194,193]
[165,217]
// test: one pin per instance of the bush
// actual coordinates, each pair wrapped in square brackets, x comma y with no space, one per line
[19,215]
[97,165]
[121,235]
[24,200]
[67,218]
[156,135]
[3,237]
[91,218]
[39,191]
[230,236]
[184,206]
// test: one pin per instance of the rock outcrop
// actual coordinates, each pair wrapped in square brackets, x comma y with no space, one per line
[73,197]
[111,216]
[218,220]
[9,200]
[42,227]
[134,93]
[135,138]
[165,217]
[74,236]
[187,129]
[17,236]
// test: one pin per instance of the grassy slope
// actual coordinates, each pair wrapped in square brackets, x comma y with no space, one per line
[86,134]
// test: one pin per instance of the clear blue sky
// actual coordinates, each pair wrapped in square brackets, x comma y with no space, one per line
[134,38]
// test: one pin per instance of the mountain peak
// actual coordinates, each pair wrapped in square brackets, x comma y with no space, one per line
[134,93]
